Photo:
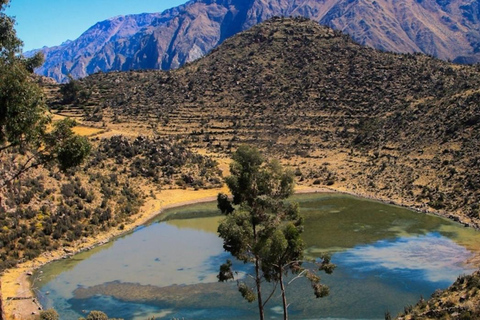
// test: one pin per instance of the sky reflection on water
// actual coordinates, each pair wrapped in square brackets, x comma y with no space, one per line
[387,257]
[440,259]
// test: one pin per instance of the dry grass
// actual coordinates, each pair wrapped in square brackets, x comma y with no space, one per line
[87,131]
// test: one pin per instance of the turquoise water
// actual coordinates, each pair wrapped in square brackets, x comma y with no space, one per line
[387,257]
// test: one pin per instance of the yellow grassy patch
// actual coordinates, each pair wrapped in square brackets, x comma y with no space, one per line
[86,131]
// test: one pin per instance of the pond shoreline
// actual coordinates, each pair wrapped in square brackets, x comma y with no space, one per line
[18,299]
[17,294]
[414,206]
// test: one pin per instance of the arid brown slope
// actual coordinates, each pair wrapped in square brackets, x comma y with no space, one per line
[460,301]
[391,126]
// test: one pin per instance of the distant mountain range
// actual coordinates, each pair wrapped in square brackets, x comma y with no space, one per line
[447,29]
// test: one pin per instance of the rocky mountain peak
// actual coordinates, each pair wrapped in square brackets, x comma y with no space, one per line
[447,29]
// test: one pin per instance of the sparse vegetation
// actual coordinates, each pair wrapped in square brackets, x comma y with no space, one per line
[456,302]
[395,126]
[48,210]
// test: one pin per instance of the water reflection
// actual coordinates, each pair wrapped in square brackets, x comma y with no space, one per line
[438,258]
[387,258]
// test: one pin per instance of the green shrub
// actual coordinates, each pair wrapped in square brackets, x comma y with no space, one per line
[49,314]
[97,315]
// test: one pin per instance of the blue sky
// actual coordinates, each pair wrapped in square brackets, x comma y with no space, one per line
[51,22]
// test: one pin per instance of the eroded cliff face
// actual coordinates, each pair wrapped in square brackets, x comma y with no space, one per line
[446,29]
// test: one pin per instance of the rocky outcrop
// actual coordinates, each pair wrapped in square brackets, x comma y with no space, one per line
[447,29]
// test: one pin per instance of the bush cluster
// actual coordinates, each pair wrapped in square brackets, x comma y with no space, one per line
[47,210]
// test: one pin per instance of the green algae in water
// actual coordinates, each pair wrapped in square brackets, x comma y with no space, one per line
[387,257]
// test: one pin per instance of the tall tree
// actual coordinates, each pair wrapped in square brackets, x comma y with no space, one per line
[24,116]
[263,229]
[22,110]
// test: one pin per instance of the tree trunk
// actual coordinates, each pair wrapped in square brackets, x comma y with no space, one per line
[284,297]
[258,281]
[259,290]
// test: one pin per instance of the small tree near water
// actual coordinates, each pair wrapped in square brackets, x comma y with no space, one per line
[49,314]
[98,315]
[264,229]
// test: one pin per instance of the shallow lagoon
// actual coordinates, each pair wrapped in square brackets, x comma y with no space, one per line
[387,257]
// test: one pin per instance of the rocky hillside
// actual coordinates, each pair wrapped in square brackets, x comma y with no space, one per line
[460,301]
[448,29]
[391,126]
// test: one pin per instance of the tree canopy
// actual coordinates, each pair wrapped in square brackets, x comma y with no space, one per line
[24,119]
[22,112]
[264,229]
